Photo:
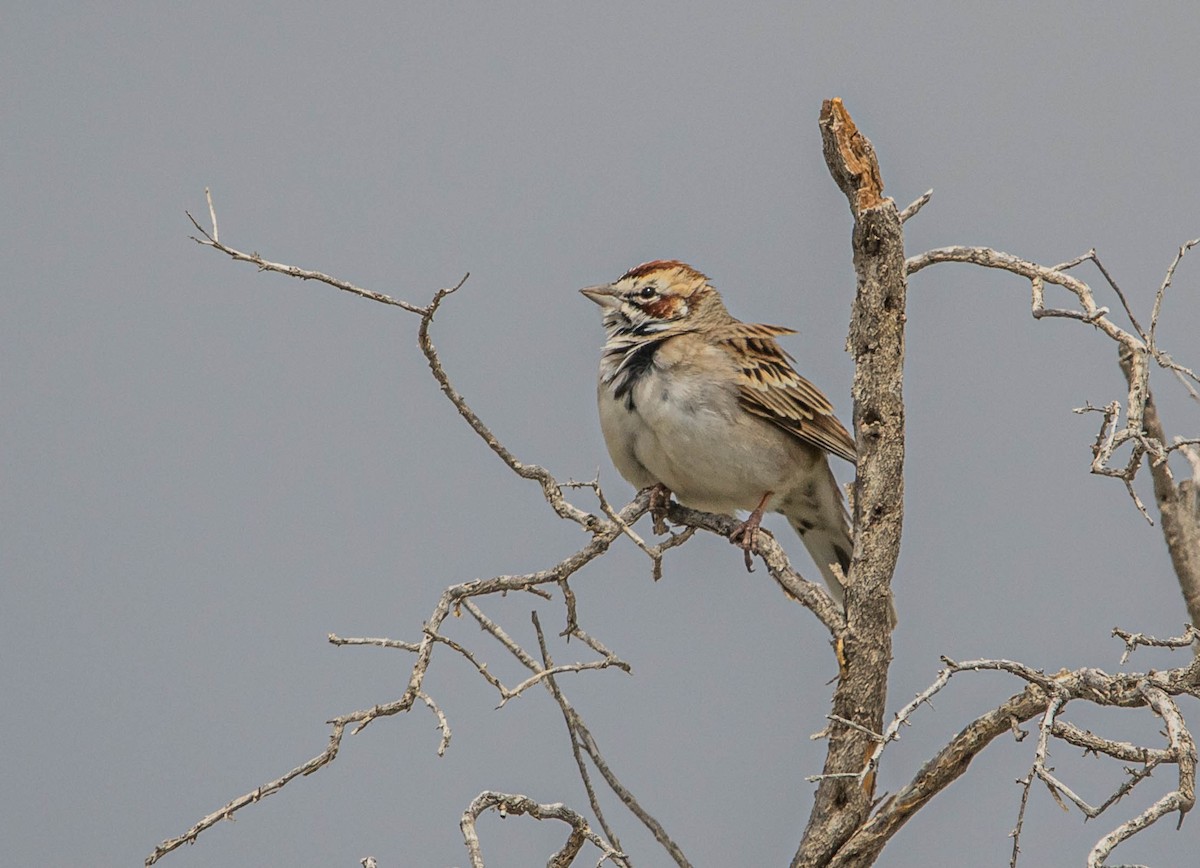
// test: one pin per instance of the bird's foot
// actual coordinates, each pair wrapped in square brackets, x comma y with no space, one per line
[745,535]
[660,502]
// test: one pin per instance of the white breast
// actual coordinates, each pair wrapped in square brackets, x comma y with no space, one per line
[686,430]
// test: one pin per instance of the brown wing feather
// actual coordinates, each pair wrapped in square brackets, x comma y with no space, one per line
[774,391]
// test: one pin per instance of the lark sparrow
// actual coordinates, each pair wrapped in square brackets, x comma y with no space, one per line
[710,408]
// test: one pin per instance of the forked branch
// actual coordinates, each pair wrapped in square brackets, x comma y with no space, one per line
[506,803]
[1143,431]
[1045,695]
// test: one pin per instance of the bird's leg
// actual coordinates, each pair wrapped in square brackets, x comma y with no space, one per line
[660,502]
[746,533]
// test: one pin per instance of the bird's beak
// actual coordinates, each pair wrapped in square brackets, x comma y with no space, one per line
[604,295]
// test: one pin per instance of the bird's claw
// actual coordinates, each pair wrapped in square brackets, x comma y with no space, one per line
[660,502]
[745,535]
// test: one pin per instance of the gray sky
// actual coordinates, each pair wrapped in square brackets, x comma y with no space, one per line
[205,469]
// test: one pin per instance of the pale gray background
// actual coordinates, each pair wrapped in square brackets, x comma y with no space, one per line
[205,469]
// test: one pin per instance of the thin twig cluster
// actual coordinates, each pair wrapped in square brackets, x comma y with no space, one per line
[1140,345]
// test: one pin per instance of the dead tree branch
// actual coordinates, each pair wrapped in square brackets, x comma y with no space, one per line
[1046,695]
[506,803]
[1134,640]
[1178,502]
[211,239]
[1140,345]
[842,804]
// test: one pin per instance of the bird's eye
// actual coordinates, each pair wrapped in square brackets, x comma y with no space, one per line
[648,292]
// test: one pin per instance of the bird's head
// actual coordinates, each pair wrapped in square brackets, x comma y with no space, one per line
[663,295]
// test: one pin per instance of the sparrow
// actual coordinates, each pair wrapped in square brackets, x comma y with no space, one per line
[696,402]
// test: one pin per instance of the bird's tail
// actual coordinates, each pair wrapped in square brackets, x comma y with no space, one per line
[829,541]
[828,546]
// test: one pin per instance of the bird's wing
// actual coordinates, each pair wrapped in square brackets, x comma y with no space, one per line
[771,388]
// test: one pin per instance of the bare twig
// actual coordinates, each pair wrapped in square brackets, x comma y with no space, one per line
[1094,744]
[1162,289]
[443,724]
[1120,295]
[551,488]
[212,215]
[336,640]
[1133,640]
[582,740]
[1053,784]
[869,733]
[809,594]
[892,731]
[507,693]
[507,803]
[576,752]
[1026,784]
[225,813]
[656,552]
[911,211]
[210,240]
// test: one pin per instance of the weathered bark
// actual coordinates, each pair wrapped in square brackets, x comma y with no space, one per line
[842,804]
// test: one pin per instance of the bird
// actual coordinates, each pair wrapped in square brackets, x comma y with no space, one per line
[698,403]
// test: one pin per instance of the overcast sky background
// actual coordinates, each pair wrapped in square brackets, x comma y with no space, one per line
[206,469]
